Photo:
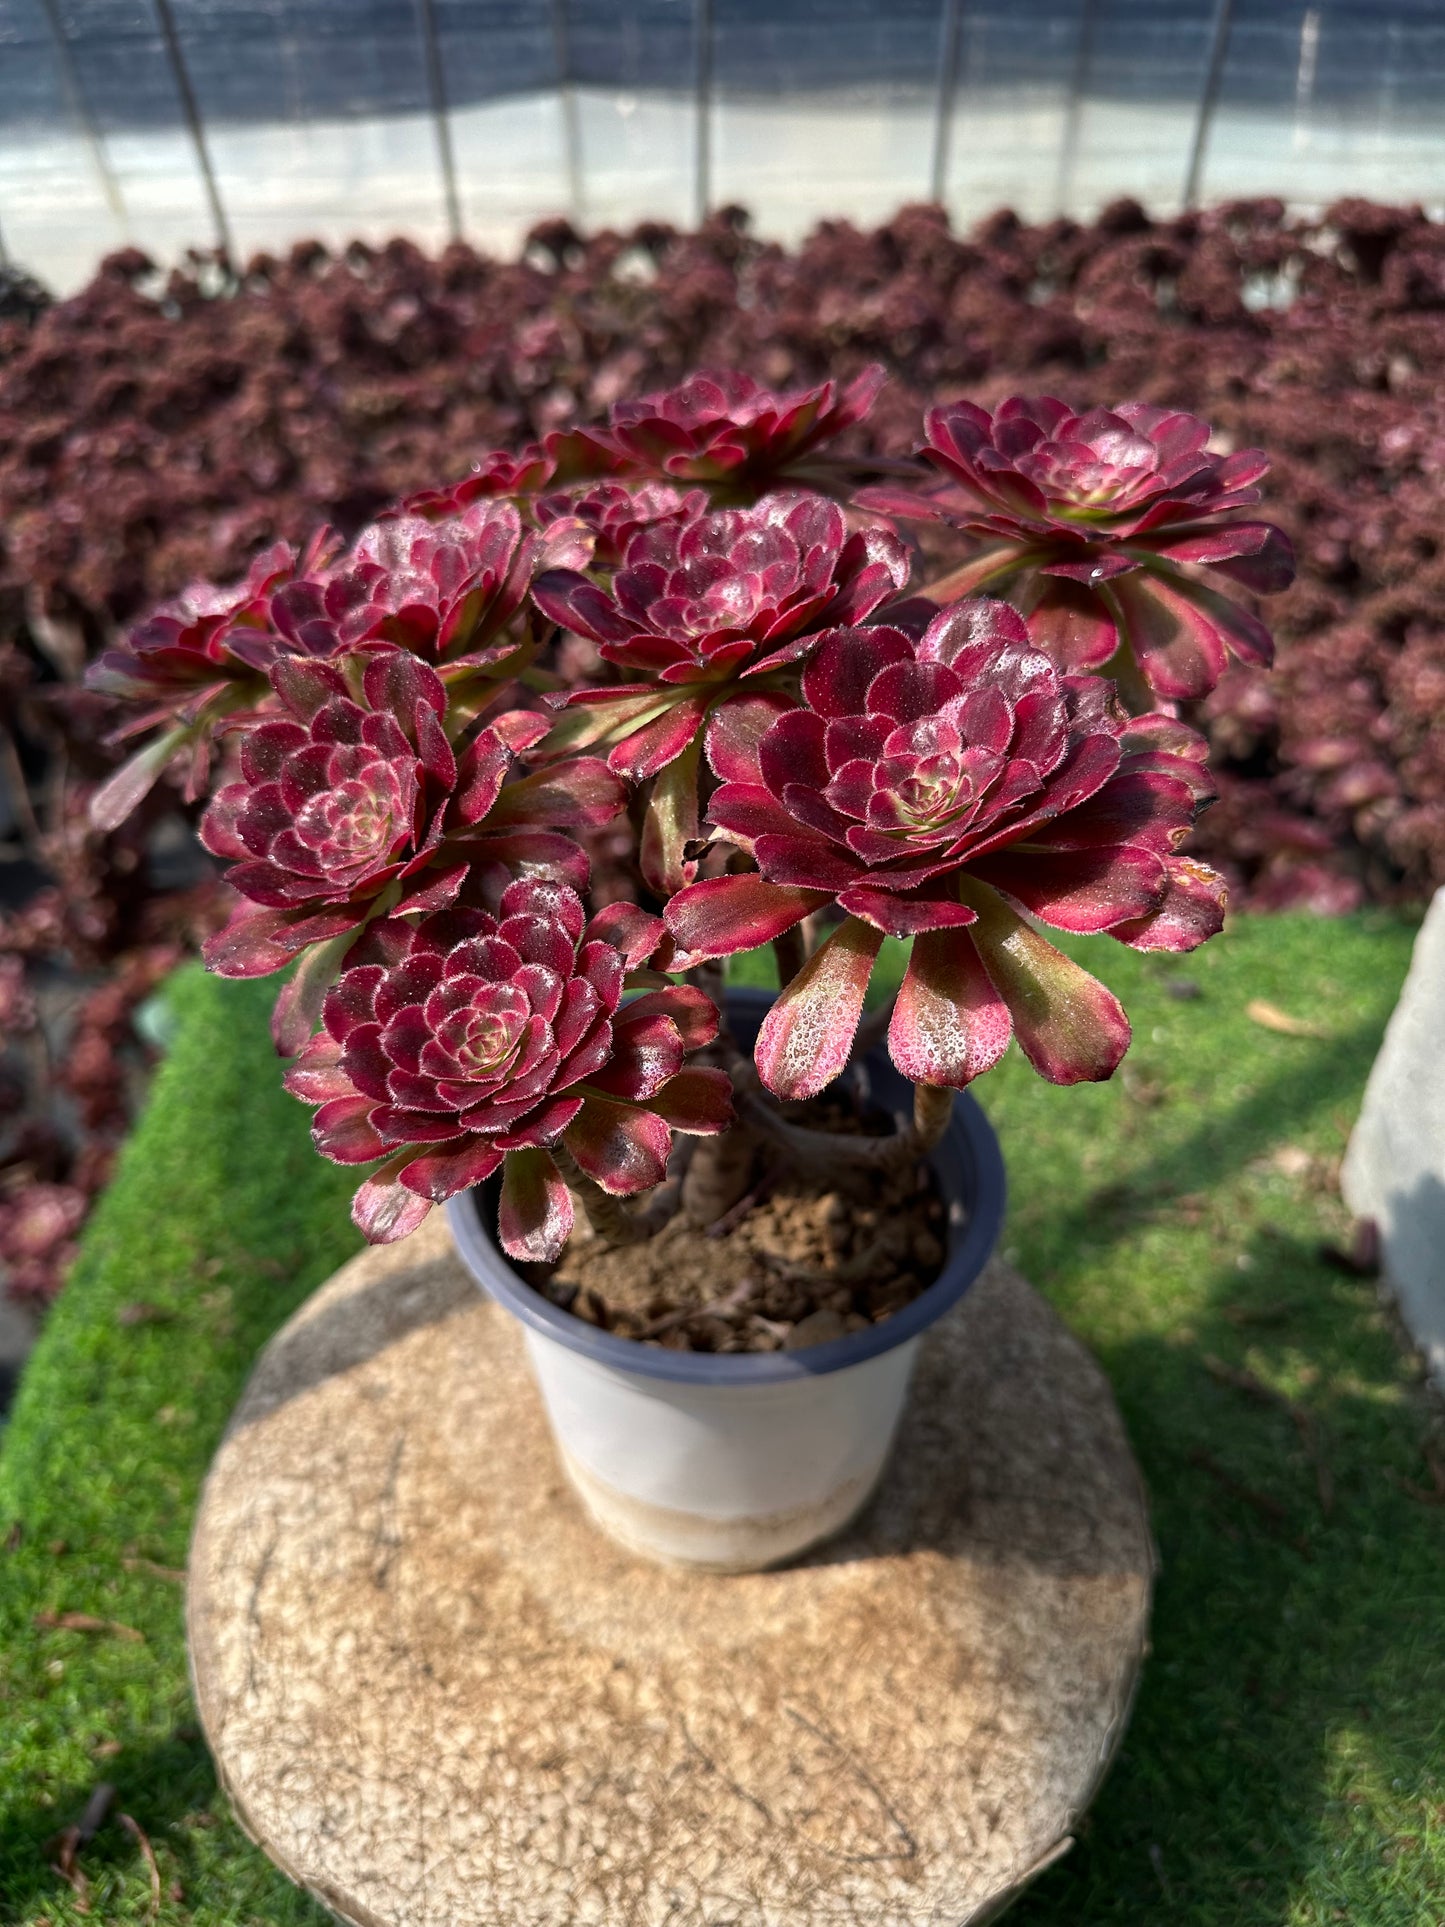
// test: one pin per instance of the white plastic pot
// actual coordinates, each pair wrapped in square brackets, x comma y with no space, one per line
[731,1462]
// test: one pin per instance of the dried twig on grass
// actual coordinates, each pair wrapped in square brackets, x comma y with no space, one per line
[1269,1509]
[137,1833]
[1261,1315]
[65,1847]
[48,1622]
[133,1562]
[1433,1494]
[1242,1380]
[1271,1017]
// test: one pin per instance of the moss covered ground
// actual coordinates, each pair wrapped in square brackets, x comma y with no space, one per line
[1286,1760]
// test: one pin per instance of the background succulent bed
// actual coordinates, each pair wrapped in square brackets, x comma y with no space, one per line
[155,433]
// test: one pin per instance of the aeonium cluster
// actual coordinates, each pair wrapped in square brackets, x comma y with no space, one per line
[700,629]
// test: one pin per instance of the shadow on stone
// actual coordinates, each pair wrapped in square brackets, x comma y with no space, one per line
[325,1339]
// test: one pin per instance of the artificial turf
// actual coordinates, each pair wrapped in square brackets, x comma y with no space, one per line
[1285,1764]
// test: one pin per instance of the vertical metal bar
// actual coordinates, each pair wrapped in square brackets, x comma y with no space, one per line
[567,98]
[441,116]
[947,91]
[1208,99]
[702,191]
[80,112]
[1074,112]
[288,53]
[1389,78]
[1304,84]
[197,132]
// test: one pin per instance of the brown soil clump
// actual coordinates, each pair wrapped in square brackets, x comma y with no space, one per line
[798,1266]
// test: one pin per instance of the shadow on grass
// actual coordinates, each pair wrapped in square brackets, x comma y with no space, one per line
[170,1791]
[1298,1640]
[1222,1143]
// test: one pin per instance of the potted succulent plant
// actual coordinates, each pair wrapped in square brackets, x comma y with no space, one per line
[689,644]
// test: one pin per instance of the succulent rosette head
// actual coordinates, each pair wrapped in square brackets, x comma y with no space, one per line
[1101,526]
[616,514]
[951,789]
[447,590]
[707,608]
[200,657]
[703,604]
[561,459]
[352,801]
[480,1041]
[722,428]
[496,475]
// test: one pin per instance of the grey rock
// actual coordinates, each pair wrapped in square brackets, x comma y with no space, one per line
[1394,1169]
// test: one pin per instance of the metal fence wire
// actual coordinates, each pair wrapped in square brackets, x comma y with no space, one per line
[248,123]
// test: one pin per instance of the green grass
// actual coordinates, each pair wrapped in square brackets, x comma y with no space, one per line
[1285,1763]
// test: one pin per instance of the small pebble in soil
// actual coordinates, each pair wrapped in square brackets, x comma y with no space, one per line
[818,1328]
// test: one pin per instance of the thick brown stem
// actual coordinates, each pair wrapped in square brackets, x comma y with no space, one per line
[932,1108]
[828,1154]
[708,978]
[790,954]
[722,1167]
[666,1201]
[720,1174]
[822,1154]
[609,1217]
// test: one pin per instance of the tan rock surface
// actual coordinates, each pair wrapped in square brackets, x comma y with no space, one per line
[438,1698]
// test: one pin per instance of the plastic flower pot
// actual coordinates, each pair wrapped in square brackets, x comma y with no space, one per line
[733,1462]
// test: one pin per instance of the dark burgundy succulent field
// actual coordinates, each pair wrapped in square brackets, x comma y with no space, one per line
[154,431]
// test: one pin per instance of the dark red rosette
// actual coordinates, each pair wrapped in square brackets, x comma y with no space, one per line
[947,790]
[722,428]
[559,460]
[199,658]
[734,593]
[500,474]
[480,1041]
[445,590]
[704,609]
[1099,527]
[353,802]
[616,514]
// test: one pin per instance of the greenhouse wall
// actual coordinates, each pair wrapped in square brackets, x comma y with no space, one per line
[183,123]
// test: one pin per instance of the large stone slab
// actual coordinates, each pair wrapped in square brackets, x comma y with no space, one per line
[438,1698]
[1394,1169]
